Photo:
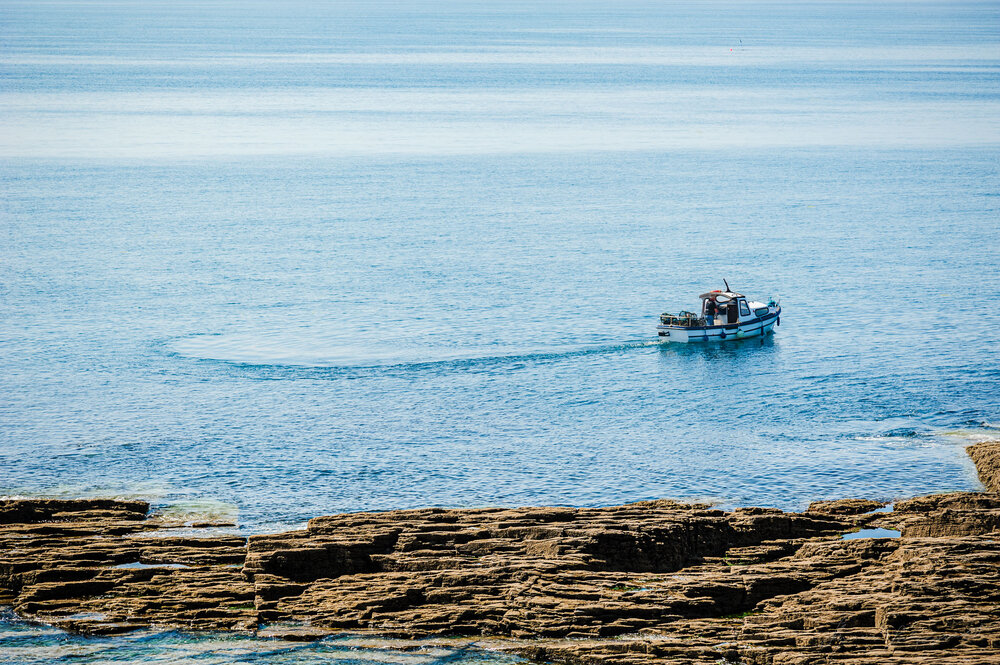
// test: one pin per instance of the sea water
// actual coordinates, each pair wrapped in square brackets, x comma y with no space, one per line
[267,261]
[31,644]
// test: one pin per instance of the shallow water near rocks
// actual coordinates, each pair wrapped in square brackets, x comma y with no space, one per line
[872,533]
[267,261]
[32,644]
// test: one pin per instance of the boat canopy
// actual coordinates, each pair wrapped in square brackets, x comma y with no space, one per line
[729,295]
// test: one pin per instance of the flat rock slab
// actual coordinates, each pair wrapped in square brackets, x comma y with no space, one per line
[93,566]
[986,457]
[647,583]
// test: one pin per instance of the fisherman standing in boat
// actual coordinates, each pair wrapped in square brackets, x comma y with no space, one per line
[710,311]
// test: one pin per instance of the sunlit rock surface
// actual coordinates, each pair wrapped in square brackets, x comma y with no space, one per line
[986,456]
[651,582]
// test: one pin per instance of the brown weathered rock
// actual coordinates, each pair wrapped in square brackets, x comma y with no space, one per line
[986,456]
[845,506]
[62,562]
[525,572]
[652,583]
[947,515]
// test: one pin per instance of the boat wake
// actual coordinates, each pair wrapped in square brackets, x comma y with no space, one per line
[273,351]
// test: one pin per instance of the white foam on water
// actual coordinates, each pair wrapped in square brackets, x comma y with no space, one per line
[319,350]
[197,510]
[970,435]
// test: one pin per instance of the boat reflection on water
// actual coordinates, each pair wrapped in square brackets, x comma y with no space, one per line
[737,349]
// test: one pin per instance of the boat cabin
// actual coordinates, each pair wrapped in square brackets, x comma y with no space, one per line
[725,307]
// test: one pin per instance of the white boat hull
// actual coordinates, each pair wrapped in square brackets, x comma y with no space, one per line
[720,333]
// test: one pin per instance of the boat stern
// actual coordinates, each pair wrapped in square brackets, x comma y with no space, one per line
[673,334]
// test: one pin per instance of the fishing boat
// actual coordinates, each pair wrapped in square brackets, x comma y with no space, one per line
[724,316]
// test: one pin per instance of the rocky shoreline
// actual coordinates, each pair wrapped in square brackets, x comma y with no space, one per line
[656,582]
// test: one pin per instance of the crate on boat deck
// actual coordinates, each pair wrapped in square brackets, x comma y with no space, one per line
[686,319]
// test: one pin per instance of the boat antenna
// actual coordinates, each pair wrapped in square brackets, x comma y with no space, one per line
[726,283]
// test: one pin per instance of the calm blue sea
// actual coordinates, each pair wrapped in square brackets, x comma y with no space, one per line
[275,260]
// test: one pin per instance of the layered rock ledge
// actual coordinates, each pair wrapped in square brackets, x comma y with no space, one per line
[646,583]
